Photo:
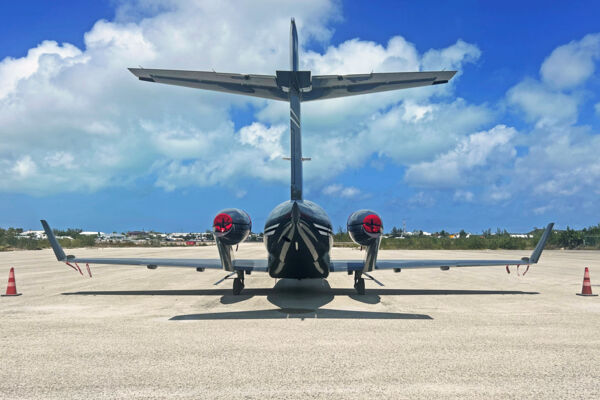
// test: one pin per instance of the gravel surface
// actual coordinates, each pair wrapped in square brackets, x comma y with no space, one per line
[170,333]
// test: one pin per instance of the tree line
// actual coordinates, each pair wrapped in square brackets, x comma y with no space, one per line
[587,238]
[10,239]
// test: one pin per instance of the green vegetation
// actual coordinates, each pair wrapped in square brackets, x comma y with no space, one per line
[9,240]
[474,242]
[588,238]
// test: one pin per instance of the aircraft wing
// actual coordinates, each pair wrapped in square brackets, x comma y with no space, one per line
[198,263]
[358,265]
[263,86]
[332,86]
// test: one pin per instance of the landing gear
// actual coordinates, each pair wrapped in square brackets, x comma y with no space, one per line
[359,282]
[238,283]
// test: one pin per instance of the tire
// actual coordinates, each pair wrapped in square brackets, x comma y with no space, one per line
[360,286]
[238,285]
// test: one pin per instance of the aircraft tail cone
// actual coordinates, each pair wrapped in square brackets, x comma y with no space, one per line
[586,289]
[11,289]
[295,213]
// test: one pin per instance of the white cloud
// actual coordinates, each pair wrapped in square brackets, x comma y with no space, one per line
[497,194]
[561,171]
[415,113]
[474,160]
[60,159]
[561,163]
[76,119]
[571,64]
[61,106]
[566,164]
[421,199]
[542,210]
[266,139]
[25,167]
[463,195]
[543,105]
[453,57]
[337,190]
[555,99]
[48,54]
[102,127]
[358,56]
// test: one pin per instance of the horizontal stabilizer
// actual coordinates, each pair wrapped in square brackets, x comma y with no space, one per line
[318,87]
[332,86]
[264,86]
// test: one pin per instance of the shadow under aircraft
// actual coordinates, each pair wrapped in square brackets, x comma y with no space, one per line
[299,299]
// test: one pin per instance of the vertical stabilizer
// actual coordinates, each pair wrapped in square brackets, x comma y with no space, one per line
[293,46]
[295,130]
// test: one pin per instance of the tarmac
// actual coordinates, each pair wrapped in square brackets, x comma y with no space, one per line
[129,332]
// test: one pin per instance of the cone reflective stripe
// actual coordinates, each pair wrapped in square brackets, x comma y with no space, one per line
[11,289]
[586,289]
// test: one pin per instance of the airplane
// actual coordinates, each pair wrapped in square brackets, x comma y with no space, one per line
[298,233]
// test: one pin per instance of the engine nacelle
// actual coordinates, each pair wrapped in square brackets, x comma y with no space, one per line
[364,227]
[232,226]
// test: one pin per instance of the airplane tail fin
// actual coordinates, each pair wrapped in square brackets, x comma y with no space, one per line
[58,251]
[293,46]
[296,81]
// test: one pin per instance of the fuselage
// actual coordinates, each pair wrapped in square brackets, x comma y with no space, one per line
[298,233]
[298,237]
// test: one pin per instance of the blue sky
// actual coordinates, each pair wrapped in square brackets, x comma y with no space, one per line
[512,142]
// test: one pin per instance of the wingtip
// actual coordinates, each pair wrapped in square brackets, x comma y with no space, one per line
[537,252]
[138,71]
[449,74]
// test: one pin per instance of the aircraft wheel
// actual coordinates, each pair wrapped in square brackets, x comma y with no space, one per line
[238,285]
[360,286]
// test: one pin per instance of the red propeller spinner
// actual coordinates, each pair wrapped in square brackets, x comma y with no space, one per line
[223,223]
[372,224]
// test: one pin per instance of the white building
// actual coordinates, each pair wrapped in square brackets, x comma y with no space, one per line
[33,235]
[90,233]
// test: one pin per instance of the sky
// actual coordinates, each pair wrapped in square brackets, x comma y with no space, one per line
[511,142]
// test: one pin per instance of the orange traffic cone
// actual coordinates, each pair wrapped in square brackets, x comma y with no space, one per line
[11,289]
[586,289]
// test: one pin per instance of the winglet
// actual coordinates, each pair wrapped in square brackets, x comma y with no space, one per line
[58,251]
[537,252]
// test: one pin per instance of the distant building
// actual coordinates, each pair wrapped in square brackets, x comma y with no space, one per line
[136,235]
[32,235]
[112,237]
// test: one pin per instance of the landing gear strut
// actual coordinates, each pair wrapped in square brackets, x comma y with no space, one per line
[238,283]
[359,282]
